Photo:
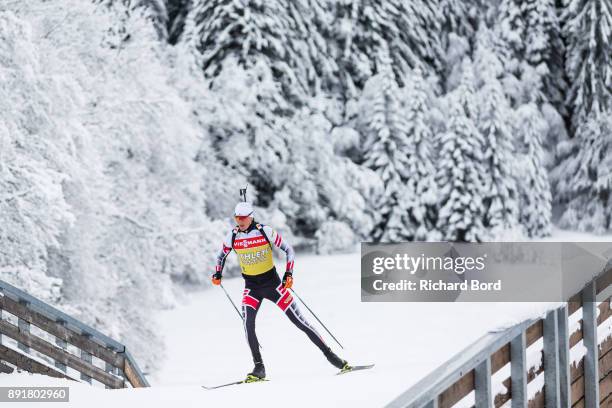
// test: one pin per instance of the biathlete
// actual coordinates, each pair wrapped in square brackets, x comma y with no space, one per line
[252,242]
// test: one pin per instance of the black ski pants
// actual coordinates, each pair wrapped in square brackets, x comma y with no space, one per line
[273,290]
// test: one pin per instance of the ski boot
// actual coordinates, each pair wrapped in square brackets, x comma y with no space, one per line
[337,361]
[258,373]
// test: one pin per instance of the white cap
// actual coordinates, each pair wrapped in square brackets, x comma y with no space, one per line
[244,209]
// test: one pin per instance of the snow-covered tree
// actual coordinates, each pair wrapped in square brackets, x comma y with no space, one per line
[323,190]
[419,196]
[284,36]
[529,45]
[100,189]
[262,61]
[386,140]
[531,174]
[460,176]
[501,198]
[177,13]
[544,50]
[409,30]
[461,17]
[588,32]
[153,10]
[583,181]
[510,31]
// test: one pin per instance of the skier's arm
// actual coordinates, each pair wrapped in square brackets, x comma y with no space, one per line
[279,242]
[226,248]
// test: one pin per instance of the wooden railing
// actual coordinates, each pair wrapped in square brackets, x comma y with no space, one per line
[587,383]
[53,343]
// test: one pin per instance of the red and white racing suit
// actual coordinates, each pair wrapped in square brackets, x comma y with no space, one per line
[262,281]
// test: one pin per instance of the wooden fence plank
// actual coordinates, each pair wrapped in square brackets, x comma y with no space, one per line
[605,369]
[605,388]
[534,332]
[58,354]
[537,401]
[603,281]
[26,363]
[5,368]
[574,303]
[500,358]
[131,375]
[604,313]
[61,332]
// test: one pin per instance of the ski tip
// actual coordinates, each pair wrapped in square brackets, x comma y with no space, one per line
[356,368]
[246,381]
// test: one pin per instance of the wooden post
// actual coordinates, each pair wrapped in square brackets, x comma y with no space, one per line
[518,369]
[1,319]
[551,360]
[564,358]
[61,344]
[589,338]
[482,384]
[86,357]
[432,404]
[23,326]
[109,368]
[3,368]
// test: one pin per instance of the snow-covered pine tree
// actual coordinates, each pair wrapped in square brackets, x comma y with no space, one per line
[323,190]
[461,176]
[583,181]
[386,140]
[262,61]
[501,198]
[177,13]
[310,21]
[242,48]
[532,176]
[101,203]
[410,30]
[154,10]
[461,17]
[544,50]
[419,199]
[510,32]
[587,29]
[286,36]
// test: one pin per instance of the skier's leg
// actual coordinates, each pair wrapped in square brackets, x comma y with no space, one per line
[287,303]
[250,305]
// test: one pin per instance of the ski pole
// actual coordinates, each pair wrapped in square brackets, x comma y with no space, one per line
[315,316]
[231,301]
[233,304]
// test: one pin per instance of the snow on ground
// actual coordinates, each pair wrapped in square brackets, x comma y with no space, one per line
[205,344]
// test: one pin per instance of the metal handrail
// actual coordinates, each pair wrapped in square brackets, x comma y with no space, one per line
[425,393]
[463,362]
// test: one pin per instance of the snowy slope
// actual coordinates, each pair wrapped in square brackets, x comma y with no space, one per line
[205,344]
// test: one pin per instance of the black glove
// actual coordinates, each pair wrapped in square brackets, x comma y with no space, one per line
[288,280]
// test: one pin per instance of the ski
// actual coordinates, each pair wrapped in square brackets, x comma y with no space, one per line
[214,387]
[355,368]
